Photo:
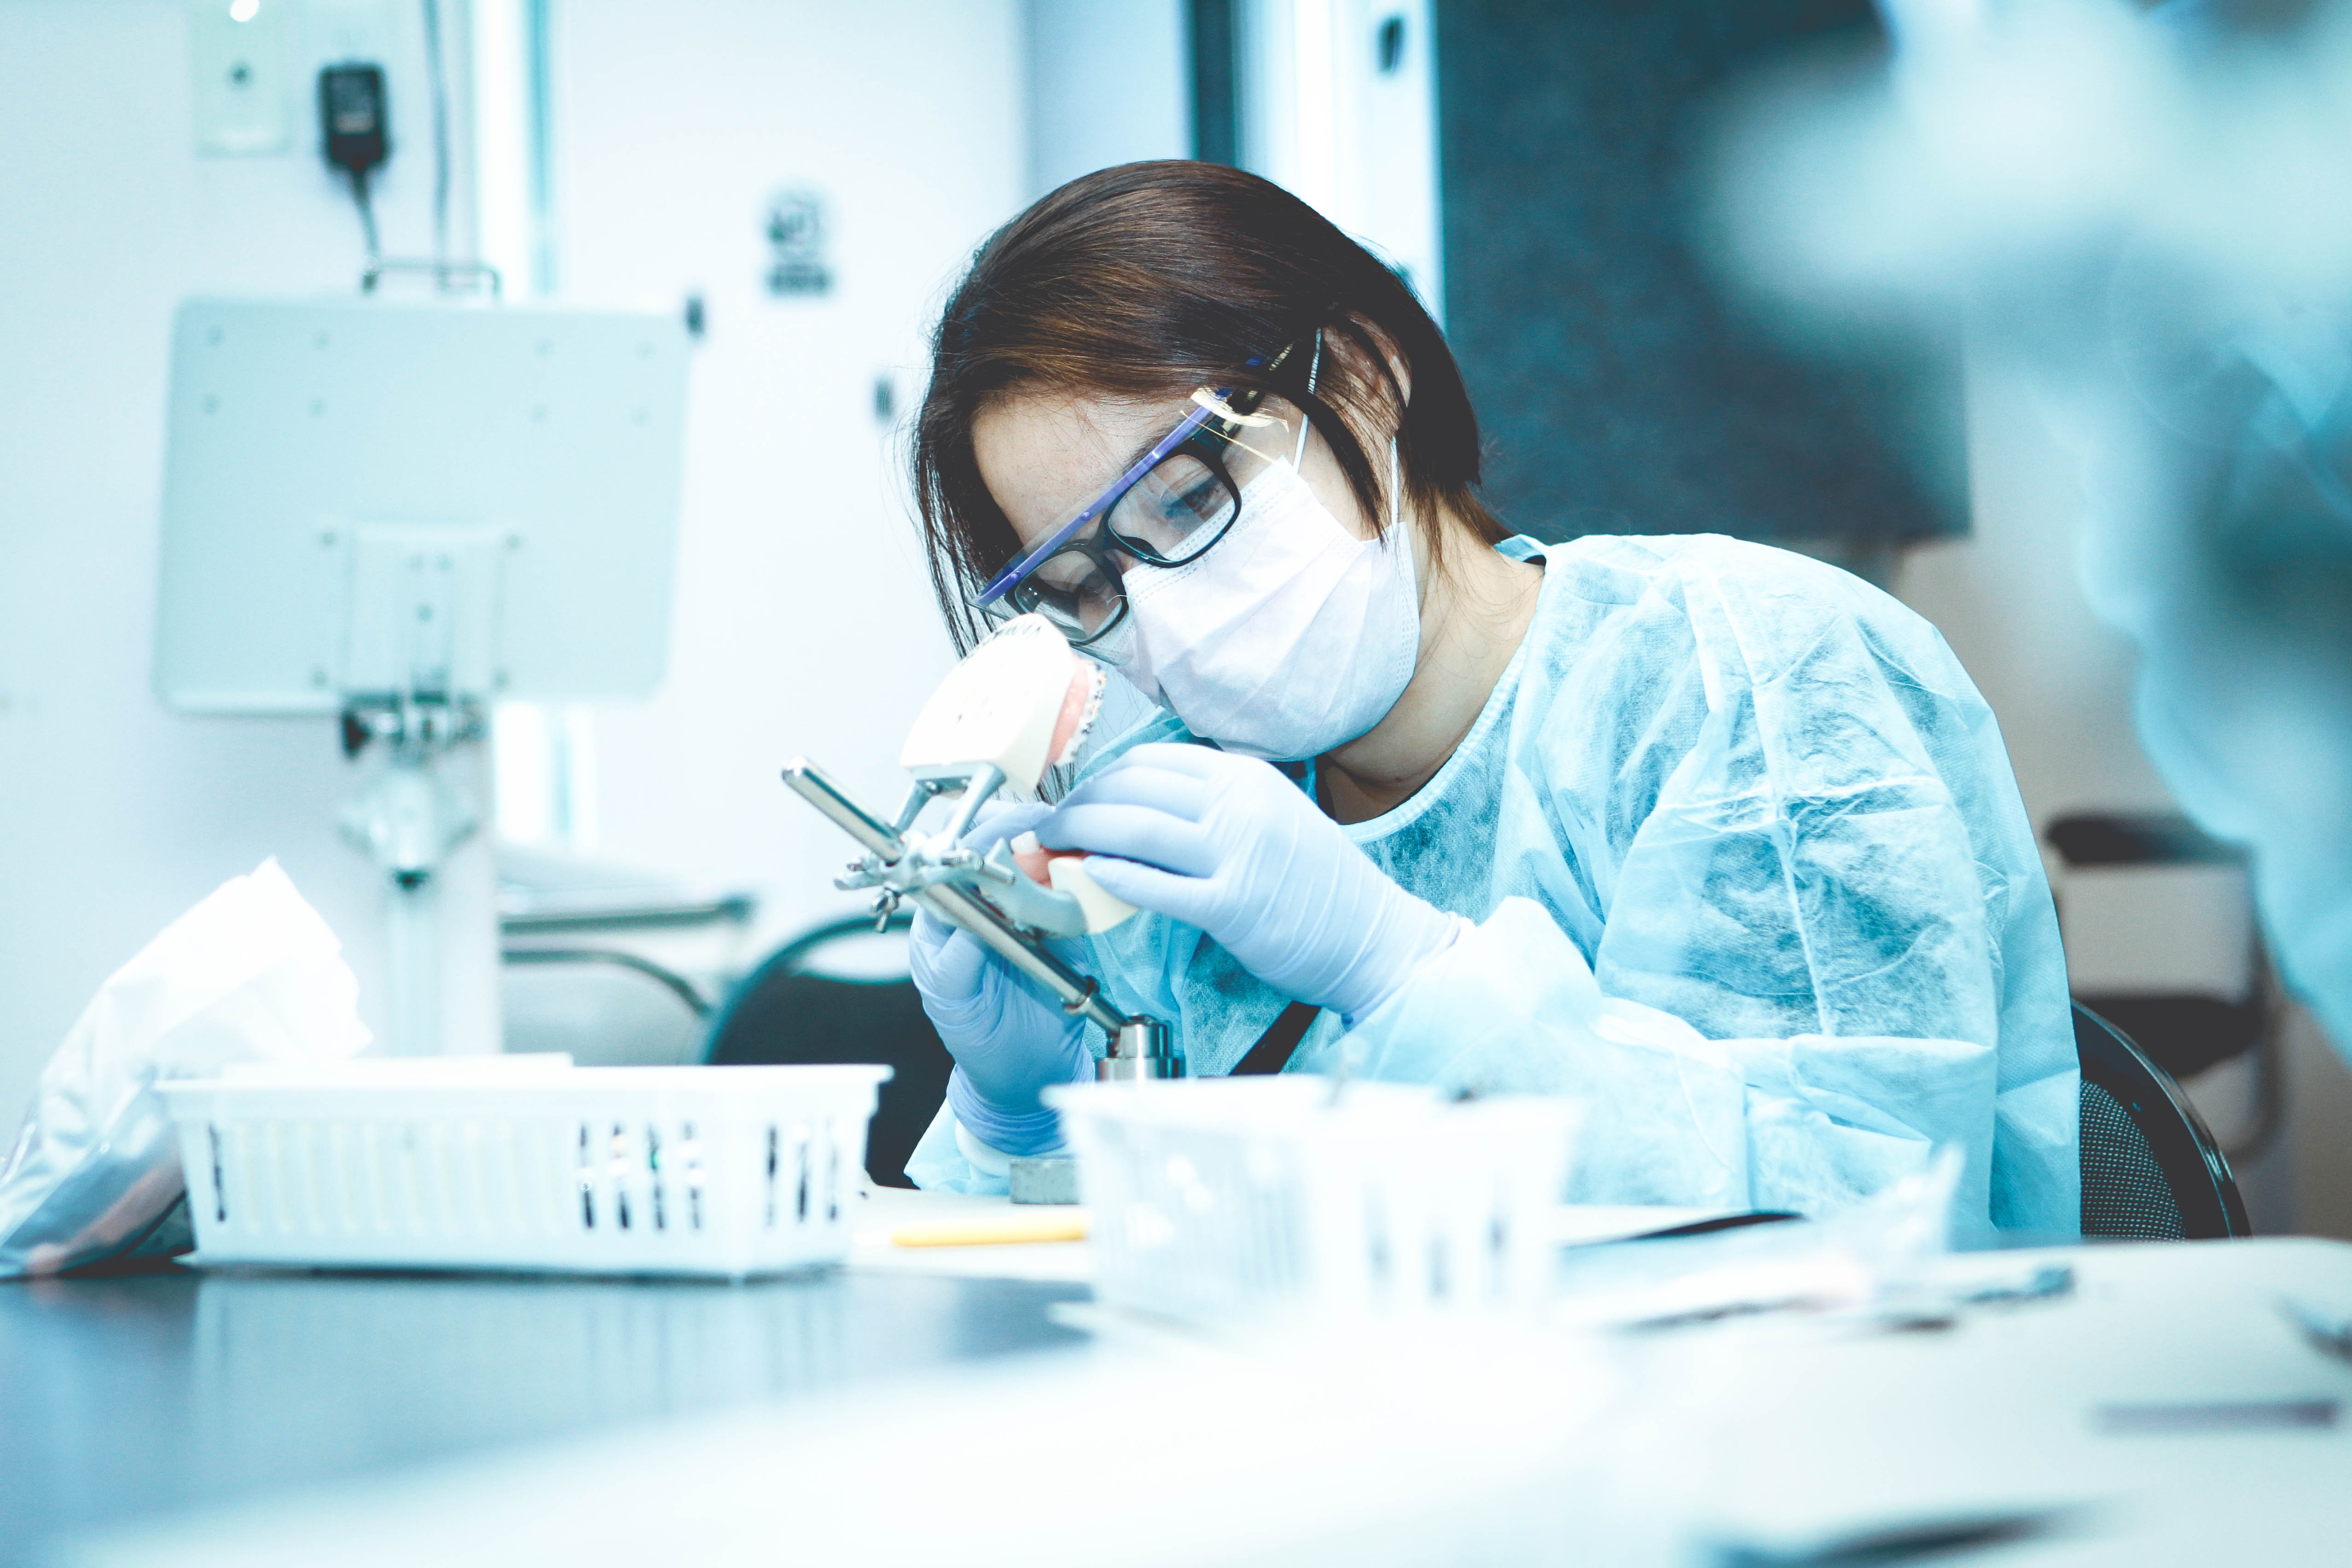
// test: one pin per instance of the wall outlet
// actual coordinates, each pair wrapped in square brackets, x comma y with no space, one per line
[364,29]
[240,55]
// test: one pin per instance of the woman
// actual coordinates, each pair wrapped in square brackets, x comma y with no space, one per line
[1714,836]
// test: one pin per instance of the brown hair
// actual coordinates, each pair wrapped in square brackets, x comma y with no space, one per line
[1152,280]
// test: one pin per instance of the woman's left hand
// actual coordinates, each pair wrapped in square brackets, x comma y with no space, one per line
[1227,844]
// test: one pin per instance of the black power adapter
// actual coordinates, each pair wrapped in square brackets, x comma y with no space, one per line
[357,139]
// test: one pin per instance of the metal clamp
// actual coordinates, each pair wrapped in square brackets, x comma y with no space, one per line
[1010,914]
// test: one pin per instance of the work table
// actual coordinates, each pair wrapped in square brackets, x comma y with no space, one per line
[2160,1397]
[136,1396]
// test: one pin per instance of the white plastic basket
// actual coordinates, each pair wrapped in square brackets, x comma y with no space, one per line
[1222,1199]
[526,1163]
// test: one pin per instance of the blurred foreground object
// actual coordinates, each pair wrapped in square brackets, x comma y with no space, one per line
[2145,216]
[1247,1199]
[252,972]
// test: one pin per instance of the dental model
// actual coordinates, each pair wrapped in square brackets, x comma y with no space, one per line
[1021,702]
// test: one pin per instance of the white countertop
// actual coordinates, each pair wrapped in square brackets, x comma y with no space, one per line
[2163,1409]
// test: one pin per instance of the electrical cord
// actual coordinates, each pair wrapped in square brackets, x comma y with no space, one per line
[367,214]
[353,124]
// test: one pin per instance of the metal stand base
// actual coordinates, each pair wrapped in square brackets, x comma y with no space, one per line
[410,822]
[1140,1049]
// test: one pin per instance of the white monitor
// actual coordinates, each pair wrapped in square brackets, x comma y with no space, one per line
[371,498]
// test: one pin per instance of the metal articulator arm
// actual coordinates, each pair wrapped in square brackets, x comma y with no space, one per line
[987,896]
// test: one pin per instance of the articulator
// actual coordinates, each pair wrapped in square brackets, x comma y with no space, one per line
[1020,703]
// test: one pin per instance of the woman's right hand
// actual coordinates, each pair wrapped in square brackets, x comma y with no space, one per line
[1009,1039]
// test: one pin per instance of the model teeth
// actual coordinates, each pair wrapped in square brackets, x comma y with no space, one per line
[1096,683]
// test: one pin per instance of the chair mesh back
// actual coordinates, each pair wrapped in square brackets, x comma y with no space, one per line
[2124,1194]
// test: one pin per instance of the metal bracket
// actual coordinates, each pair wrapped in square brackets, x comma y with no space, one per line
[1010,914]
[441,272]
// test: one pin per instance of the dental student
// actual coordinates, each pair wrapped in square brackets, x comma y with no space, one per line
[1713,837]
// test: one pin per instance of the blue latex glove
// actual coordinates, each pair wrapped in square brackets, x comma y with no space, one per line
[1227,844]
[1009,1038]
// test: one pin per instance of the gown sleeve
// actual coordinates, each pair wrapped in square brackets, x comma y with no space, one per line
[1794,819]
[1805,1124]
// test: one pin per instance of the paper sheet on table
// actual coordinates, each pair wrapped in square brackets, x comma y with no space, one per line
[250,973]
[1581,1225]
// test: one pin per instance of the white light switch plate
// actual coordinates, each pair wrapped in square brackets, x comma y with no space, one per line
[241,64]
[338,30]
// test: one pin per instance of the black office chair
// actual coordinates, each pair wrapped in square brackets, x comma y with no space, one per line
[2151,1168]
[790,1009]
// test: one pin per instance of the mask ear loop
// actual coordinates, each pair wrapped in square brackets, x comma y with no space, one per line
[1396,487]
[1394,538]
[1314,368]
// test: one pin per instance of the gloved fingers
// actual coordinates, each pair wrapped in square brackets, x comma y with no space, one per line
[1227,781]
[1188,899]
[1002,819]
[927,935]
[947,964]
[1131,783]
[1203,762]
[1133,833]
[997,1015]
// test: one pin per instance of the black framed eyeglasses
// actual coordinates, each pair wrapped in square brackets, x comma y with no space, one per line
[1169,506]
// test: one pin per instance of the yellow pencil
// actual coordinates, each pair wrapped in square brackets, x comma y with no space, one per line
[994,1231]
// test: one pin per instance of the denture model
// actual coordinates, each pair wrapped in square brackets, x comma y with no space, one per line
[1022,701]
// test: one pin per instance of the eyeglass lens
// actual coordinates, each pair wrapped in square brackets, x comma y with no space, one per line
[1176,511]
[1170,516]
[1073,591]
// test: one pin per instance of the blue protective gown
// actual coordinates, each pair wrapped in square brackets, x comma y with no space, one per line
[1736,787]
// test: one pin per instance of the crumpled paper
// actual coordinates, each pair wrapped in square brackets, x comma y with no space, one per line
[250,973]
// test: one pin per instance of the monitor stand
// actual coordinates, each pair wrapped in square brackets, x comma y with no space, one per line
[410,822]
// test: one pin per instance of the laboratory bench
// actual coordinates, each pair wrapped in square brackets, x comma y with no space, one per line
[2160,1408]
[141,1395]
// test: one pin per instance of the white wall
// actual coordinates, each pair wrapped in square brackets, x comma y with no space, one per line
[1108,83]
[1111,82]
[115,815]
[804,621]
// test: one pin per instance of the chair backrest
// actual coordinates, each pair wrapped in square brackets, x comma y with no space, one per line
[601,1008]
[2151,1168]
[791,1009]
